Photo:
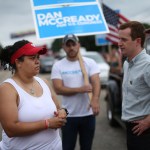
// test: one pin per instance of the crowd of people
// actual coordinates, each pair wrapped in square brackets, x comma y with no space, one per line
[31,115]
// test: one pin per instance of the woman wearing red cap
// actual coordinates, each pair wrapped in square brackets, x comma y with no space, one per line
[29,112]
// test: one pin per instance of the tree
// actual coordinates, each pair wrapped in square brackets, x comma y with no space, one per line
[146,25]
[56,45]
[1,47]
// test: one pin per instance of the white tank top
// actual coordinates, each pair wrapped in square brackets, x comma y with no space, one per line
[32,109]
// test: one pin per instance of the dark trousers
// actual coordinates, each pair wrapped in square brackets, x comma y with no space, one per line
[84,126]
[134,142]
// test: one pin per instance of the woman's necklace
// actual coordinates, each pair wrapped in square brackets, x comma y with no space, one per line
[32,90]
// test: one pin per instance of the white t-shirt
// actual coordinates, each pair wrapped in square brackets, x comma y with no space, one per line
[32,109]
[70,73]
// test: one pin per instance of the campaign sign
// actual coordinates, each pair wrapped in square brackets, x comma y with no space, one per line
[100,40]
[80,20]
[56,2]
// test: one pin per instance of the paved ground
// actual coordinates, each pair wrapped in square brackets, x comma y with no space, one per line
[106,137]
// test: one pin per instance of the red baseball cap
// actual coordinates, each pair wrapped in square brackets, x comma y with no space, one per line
[27,50]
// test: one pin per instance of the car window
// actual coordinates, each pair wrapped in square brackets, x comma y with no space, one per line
[98,58]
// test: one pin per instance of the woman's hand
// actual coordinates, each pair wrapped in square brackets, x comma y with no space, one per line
[61,113]
[56,122]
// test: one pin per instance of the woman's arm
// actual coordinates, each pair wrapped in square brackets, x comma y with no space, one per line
[9,115]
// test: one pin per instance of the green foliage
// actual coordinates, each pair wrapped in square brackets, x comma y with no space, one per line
[89,43]
[0,53]
[1,47]
[146,25]
[56,45]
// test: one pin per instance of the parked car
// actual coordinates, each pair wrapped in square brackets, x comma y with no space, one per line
[114,100]
[103,66]
[46,64]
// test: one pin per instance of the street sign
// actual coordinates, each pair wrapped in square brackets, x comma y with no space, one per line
[101,40]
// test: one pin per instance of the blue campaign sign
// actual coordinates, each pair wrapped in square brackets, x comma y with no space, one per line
[55,2]
[80,20]
[100,40]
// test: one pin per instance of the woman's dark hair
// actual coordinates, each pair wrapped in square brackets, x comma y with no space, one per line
[7,52]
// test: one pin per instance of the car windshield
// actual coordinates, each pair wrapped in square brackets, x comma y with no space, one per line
[98,58]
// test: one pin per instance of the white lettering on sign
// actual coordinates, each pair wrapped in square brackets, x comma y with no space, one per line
[57,19]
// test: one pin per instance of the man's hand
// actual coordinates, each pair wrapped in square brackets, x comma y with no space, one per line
[142,125]
[86,88]
[95,105]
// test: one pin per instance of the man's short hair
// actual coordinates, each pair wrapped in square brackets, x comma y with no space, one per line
[137,30]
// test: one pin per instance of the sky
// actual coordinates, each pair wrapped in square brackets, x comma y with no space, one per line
[16,16]
[138,10]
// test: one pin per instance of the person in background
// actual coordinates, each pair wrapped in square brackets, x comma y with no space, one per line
[30,114]
[68,81]
[147,41]
[136,85]
[115,61]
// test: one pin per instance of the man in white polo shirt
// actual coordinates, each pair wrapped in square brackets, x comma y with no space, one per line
[68,81]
